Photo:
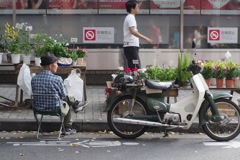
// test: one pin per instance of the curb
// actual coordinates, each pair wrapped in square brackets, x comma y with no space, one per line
[80,126]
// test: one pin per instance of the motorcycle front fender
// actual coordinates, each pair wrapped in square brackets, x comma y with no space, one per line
[207,102]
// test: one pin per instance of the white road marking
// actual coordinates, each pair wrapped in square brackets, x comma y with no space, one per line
[84,143]
[230,144]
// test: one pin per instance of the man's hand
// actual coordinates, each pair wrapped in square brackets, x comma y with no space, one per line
[149,41]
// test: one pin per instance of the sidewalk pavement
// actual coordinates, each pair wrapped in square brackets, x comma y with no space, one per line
[92,119]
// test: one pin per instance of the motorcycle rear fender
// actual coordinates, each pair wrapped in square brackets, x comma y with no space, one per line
[112,97]
[207,102]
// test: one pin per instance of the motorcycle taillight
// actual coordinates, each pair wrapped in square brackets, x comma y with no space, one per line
[107,91]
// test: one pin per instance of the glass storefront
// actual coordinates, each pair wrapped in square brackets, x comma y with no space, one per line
[158,19]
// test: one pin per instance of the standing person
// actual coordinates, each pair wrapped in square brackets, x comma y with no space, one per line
[198,36]
[154,34]
[48,83]
[131,35]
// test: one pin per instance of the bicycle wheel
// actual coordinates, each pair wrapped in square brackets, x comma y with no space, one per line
[228,128]
[122,109]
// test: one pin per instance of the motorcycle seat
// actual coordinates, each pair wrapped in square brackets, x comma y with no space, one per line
[158,85]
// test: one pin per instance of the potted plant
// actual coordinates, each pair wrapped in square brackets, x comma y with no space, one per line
[236,79]
[81,53]
[183,76]
[207,71]
[154,73]
[2,46]
[219,73]
[42,43]
[13,42]
[72,54]
[230,73]
[24,32]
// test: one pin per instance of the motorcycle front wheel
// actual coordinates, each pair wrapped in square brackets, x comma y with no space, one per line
[122,109]
[228,128]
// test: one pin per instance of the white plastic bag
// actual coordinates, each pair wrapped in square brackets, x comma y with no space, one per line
[74,85]
[24,79]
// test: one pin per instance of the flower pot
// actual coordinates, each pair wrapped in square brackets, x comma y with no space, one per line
[74,63]
[1,55]
[229,83]
[37,61]
[219,83]
[80,61]
[208,82]
[213,82]
[236,83]
[26,58]
[15,58]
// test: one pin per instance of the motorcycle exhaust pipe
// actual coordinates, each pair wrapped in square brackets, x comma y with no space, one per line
[145,123]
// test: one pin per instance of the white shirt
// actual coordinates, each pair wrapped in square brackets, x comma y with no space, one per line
[198,35]
[128,38]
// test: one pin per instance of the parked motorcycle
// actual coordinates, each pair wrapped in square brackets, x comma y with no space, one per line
[135,104]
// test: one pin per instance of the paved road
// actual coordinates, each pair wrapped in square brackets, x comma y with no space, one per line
[106,146]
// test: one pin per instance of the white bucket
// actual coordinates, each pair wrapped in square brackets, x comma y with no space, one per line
[26,58]
[15,58]
[1,55]
[37,61]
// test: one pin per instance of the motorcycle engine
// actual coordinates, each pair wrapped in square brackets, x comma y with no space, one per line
[171,118]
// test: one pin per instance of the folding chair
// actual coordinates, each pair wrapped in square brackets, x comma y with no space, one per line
[47,113]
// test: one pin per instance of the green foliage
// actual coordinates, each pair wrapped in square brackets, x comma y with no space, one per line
[154,73]
[183,76]
[81,52]
[14,46]
[42,44]
[237,71]
[219,70]
[24,38]
[2,43]
[207,71]
[158,74]
[230,69]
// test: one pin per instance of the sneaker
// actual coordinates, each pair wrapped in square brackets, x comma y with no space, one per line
[69,130]
[79,106]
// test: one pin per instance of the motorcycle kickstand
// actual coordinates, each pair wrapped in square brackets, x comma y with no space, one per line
[166,134]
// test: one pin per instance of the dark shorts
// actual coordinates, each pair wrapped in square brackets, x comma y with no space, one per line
[132,53]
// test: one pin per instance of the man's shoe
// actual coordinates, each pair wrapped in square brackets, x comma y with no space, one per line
[69,130]
[79,106]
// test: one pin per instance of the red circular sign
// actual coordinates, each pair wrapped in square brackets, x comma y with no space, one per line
[214,35]
[90,35]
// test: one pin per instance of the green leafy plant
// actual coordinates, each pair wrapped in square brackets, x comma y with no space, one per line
[183,76]
[42,44]
[230,69]
[2,43]
[154,73]
[24,38]
[237,71]
[219,70]
[158,74]
[81,52]
[207,71]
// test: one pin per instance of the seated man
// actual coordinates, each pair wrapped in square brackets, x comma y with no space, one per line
[48,83]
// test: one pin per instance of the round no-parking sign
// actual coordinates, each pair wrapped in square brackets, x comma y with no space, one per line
[90,35]
[214,35]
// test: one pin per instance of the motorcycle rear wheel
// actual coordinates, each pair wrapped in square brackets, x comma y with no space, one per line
[228,128]
[120,109]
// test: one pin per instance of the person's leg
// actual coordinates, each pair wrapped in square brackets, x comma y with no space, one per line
[131,54]
[68,120]
[76,105]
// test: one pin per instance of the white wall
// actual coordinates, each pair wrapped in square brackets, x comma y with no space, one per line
[111,59]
